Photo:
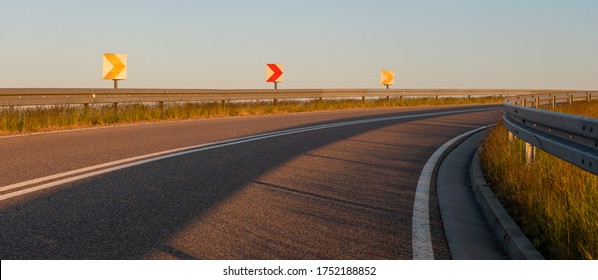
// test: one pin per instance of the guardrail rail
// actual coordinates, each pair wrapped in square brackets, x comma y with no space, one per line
[57,96]
[568,137]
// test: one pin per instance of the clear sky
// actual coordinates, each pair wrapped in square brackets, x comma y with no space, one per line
[321,43]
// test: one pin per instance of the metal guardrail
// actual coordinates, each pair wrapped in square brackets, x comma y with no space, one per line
[569,137]
[56,96]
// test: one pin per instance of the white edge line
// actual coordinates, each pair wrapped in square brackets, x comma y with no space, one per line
[139,160]
[421,236]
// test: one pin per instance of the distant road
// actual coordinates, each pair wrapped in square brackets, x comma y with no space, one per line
[321,185]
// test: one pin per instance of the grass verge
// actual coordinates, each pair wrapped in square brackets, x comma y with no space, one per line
[554,202]
[35,119]
[588,109]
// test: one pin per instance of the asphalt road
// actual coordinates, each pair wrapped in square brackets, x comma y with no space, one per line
[337,192]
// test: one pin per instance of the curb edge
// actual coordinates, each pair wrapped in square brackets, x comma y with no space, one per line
[516,245]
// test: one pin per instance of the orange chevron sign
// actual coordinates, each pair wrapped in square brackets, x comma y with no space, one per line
[114,66]
[387,77]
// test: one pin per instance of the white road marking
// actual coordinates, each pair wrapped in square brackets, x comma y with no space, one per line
[139,160]
[421,238]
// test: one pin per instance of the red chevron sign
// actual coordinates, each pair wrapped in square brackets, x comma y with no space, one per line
[274,73]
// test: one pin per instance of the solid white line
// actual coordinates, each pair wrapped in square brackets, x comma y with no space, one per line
[134,161]
[421,237]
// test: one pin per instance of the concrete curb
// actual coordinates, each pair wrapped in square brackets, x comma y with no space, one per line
[467,231]
[509,235]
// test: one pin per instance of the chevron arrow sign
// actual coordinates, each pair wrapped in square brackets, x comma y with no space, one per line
[387,77]
[274,73]
[114,66]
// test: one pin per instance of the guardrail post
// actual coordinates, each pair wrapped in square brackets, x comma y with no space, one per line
[85,109]
[161,106]
[363,99]
[537,102]
[530,153]
[570,98]
[115,109]
[553,101]
[588,96]
[524,102]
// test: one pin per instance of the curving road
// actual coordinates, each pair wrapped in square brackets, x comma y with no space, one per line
[322,185]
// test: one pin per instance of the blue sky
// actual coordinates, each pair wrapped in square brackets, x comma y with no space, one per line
[322,43]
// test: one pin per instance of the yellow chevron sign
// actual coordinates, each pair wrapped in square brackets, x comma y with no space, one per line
[114,66]
[387,77]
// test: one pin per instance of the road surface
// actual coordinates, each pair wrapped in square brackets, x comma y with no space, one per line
[320,185]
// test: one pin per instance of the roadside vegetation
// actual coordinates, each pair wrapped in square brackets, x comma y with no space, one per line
[35,119]
[588,109]
[554,202]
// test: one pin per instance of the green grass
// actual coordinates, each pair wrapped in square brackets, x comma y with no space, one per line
[554,202]
[63,117]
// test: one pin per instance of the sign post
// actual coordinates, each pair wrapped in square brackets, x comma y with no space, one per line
[274,74]
[114,67]
[387,77]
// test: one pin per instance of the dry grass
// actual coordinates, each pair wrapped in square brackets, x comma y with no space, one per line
[36,119]
[588,109]
[554,202]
